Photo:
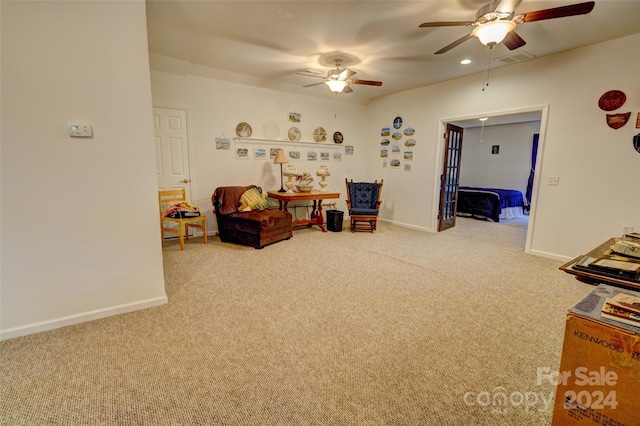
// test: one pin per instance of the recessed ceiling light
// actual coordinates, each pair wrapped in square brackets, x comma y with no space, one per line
[465,61]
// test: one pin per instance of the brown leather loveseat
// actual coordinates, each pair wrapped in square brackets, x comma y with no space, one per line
[256,228]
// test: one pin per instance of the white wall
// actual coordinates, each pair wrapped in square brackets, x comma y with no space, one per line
[509,169]
[80,236]
[598,168]
[216,107]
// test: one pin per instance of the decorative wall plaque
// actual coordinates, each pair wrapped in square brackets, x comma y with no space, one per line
[615,121]
[611,100]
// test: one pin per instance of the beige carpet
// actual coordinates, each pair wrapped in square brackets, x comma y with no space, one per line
[396,328]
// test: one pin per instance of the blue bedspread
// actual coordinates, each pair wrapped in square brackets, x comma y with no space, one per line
[487,202]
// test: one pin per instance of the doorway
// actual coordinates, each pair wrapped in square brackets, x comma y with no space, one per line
[539,113]
[171,135]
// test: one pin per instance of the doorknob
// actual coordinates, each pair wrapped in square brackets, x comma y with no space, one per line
[185,181]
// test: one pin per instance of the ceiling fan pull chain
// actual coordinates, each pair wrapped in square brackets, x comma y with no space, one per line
[488,70]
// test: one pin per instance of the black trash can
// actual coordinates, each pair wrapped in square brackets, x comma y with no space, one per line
[334,220]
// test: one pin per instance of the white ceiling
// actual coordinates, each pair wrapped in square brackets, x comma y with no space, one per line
[264,43]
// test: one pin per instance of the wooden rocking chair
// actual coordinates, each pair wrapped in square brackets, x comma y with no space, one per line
[363,202]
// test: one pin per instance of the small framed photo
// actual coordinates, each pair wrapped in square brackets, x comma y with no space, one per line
[223,143]
[242,153]
[295,117]
[259,154]
[495,149]
[272,153]
[294,155]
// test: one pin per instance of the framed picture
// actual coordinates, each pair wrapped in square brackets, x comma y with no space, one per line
[242,153]
[272,153]
[223,143]
[295,117]
[495,149]
[294,155]
[259,154]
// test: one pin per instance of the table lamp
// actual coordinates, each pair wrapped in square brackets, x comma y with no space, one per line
[281,158]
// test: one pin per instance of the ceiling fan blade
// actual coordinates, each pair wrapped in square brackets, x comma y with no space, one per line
[345,74]
[454,44]
[446,24]
[314,84]
[347,89]
[367,82]
[309,74]
[556,12]
[513,41]
[508,6]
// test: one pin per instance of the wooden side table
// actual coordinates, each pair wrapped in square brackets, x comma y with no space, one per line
[315,196]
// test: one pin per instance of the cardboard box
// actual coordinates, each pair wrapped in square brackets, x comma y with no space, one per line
[599,378]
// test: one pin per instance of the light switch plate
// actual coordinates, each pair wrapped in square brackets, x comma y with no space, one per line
[80,129]
[553,180]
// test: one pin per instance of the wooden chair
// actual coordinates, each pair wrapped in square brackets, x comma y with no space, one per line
[363,202]
[171,196]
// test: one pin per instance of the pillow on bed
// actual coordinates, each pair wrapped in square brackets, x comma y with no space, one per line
[252,199]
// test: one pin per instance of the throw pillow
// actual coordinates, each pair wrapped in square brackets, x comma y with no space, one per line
[252,199]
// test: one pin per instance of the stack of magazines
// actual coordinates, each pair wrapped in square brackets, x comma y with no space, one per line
[629,245]
[623,308]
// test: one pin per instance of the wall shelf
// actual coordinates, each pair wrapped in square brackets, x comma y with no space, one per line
[286,142]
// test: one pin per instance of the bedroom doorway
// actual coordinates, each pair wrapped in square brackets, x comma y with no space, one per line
[450,177]
[509,118]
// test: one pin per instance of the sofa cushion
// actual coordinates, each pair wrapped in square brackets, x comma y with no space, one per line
[256,220]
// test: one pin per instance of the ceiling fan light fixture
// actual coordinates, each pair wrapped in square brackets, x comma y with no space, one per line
[493,32]
[336,86]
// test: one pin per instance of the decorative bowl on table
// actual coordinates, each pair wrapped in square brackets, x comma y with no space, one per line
[304,188]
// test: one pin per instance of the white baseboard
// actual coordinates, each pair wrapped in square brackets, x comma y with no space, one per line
[405,225]
[79,318]
[550,255]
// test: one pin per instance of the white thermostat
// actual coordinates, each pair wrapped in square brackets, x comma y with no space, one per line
[80,129]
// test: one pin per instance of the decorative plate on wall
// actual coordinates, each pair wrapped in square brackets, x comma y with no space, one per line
[337,137]
[397,122]
[320,134]
[243,130]
[396,136]
[294,134]
[613,99]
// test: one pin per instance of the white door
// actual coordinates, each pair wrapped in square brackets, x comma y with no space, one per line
[172,148]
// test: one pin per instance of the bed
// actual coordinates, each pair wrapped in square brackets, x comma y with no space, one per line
[490,203]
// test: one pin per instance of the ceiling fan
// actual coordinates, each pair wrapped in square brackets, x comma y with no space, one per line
[496,21]
[339,79]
